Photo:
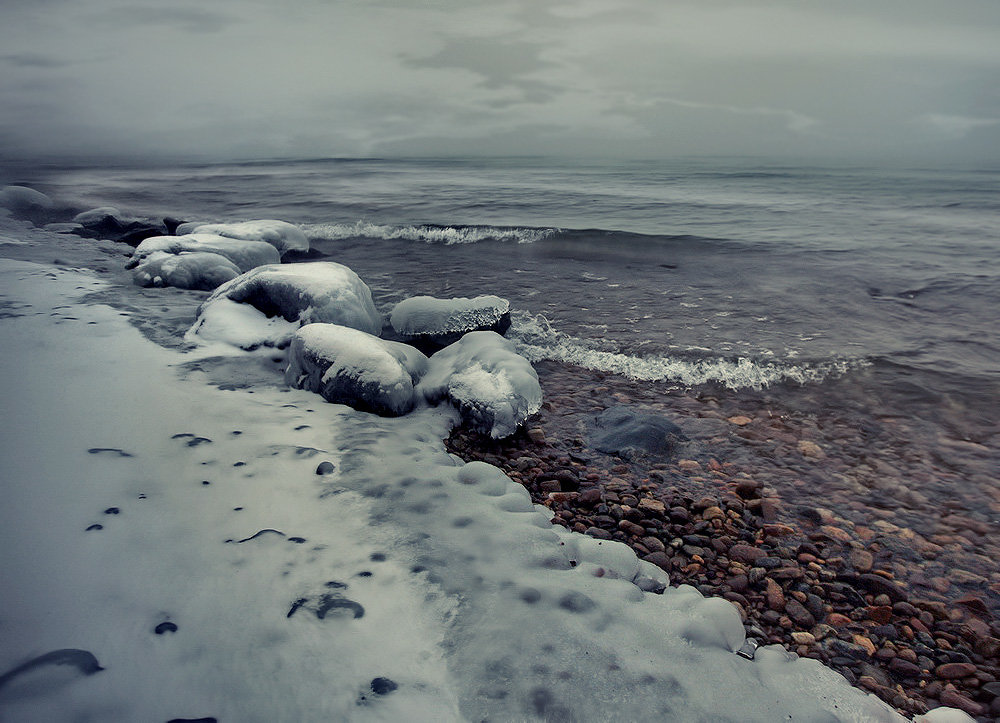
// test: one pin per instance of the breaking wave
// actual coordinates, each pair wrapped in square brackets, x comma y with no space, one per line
[536,339]
[428,233]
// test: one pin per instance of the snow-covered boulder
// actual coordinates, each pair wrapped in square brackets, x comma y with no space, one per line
[494,388]
[282,235]
[28,204]
[188,270]
[107,222]
[245,255]
[22,198]
[352,367]
[426,319]
[265,306]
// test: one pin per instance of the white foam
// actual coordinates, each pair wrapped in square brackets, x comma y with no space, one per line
[447,235]
[536,339]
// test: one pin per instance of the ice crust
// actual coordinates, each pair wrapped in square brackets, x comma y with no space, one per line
[493,387]
[188,270]
[431,317]
[473,604]
[355,368]
[265,306]
[244,254]
[282,235]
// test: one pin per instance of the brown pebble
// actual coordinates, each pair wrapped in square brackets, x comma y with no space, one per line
[882,614]
[739,420]
[954,699]
[775,597]
[837,620]
[951,671]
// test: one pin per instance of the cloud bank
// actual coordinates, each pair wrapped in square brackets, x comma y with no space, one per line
[631,78]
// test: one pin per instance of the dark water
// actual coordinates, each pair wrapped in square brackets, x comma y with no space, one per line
[729,271]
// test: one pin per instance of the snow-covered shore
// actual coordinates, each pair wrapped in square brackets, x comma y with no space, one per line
[299,588]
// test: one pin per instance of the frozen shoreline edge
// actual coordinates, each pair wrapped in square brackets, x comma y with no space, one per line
[482,478]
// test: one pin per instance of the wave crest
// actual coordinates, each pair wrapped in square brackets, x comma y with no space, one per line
[536,339]
[445,235]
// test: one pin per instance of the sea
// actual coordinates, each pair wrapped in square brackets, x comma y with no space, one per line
[862,298]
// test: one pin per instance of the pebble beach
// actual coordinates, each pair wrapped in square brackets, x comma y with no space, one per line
[762,507]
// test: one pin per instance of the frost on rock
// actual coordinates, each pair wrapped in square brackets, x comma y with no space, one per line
[265,306]
[352,367]
[244,254]
[188,270]
[282,235]
[494,388]
[444,321]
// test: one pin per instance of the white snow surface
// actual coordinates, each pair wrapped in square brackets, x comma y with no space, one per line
[265,306]
[427,315]
[494,387]
[282,235]
[355,368]
[188,270]
[244,254]
[291,590]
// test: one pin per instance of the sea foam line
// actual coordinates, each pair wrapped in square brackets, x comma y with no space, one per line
[537,340]
[447,235]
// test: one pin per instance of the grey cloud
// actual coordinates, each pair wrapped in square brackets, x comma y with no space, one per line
[32,60]
[190,20]
[500,62]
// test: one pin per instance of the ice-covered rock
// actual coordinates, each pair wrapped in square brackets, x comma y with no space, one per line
[494,388]
[108,222]
[439,322]
[280,234]
[245,255]
[353,367]
[187,270]
[19,198]
[265,306]
[28,204]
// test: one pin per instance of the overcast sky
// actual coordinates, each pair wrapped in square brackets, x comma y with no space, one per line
[640,78]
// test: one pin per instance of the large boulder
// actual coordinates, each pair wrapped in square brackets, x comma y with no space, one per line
[352,367]
[265,306]
[245,255]
[494,388]
[188,270]
[282,235]
[431,323]
[632,434]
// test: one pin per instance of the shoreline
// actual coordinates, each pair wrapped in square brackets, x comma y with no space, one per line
[802,575]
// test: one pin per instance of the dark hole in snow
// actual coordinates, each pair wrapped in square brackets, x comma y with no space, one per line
[165,627]
[95,526]
[383,686]
[112,511]
[377,557]
[325,468]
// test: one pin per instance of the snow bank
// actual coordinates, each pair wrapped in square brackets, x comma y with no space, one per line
[189,270]
[494,388]
[280,234]
[444,321]
[265,306]
[244,254]
[353,367]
